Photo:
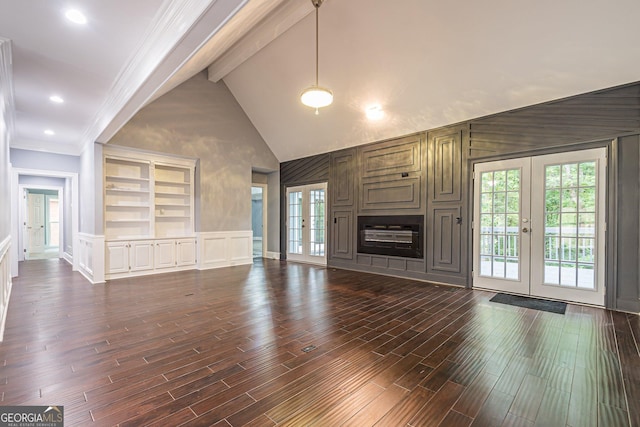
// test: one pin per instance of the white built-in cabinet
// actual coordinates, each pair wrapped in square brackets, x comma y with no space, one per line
[148,213]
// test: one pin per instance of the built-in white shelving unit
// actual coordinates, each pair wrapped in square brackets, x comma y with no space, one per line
[173,190]
[127,197]
[148,212]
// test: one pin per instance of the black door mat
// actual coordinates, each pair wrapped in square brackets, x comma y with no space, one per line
[526,302]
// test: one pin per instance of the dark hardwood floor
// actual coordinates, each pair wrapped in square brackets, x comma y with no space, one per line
[225,347]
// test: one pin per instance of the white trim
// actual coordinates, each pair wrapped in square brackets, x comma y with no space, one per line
[90,255]
[147,156]
[5,282]
[305,234]
[272,255]
[224,249]
[15,207]
[68,257]
[23,217]
[265,222]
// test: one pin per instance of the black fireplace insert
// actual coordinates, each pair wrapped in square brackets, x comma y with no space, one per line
[393,235]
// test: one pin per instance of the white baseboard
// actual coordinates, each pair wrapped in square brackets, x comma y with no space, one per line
[272,255]
[224,249]
[68,257]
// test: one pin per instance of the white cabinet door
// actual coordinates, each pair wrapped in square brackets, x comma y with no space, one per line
[165,252]
[186,252]
[117,257]
[141,255]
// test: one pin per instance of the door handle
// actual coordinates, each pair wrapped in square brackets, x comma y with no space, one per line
[525,230]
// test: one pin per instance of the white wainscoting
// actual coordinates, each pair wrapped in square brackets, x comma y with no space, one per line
[5,281]
[224,249]
[90,252]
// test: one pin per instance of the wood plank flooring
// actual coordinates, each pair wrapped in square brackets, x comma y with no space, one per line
[224,348]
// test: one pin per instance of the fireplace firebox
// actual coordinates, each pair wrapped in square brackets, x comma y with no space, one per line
[392,235]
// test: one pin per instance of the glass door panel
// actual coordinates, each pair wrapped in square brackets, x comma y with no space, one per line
[499,223]
[317,209]
[294,222]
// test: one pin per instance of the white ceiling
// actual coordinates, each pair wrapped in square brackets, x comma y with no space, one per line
[428,63]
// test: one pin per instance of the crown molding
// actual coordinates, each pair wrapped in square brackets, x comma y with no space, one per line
[178,30]
[7,100]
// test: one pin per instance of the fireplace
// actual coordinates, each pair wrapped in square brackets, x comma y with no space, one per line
[392,235]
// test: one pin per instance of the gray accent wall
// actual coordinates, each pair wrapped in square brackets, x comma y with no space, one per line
[370,179]
[202,119]
[628,225]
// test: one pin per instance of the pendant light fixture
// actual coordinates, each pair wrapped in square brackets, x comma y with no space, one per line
[316,96]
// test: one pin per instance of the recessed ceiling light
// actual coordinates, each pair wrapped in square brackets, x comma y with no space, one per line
[57,99]
[75,16]
[49,132]
[374,112]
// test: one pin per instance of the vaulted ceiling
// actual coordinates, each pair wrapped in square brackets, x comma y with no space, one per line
[425,63]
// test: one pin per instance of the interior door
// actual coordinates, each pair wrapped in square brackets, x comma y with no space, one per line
[539,226]
[306,223]
[35,223]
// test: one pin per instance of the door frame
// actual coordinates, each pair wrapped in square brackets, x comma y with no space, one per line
[15,212]
[23,188]
[265,230]
[307,258]
[609,214]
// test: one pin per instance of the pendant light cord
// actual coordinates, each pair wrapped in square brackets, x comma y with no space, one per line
[317,7]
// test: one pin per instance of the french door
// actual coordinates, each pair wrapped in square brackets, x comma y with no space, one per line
[306,223]
[539,226]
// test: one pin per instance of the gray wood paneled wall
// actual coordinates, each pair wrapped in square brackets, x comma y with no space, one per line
[429,173]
